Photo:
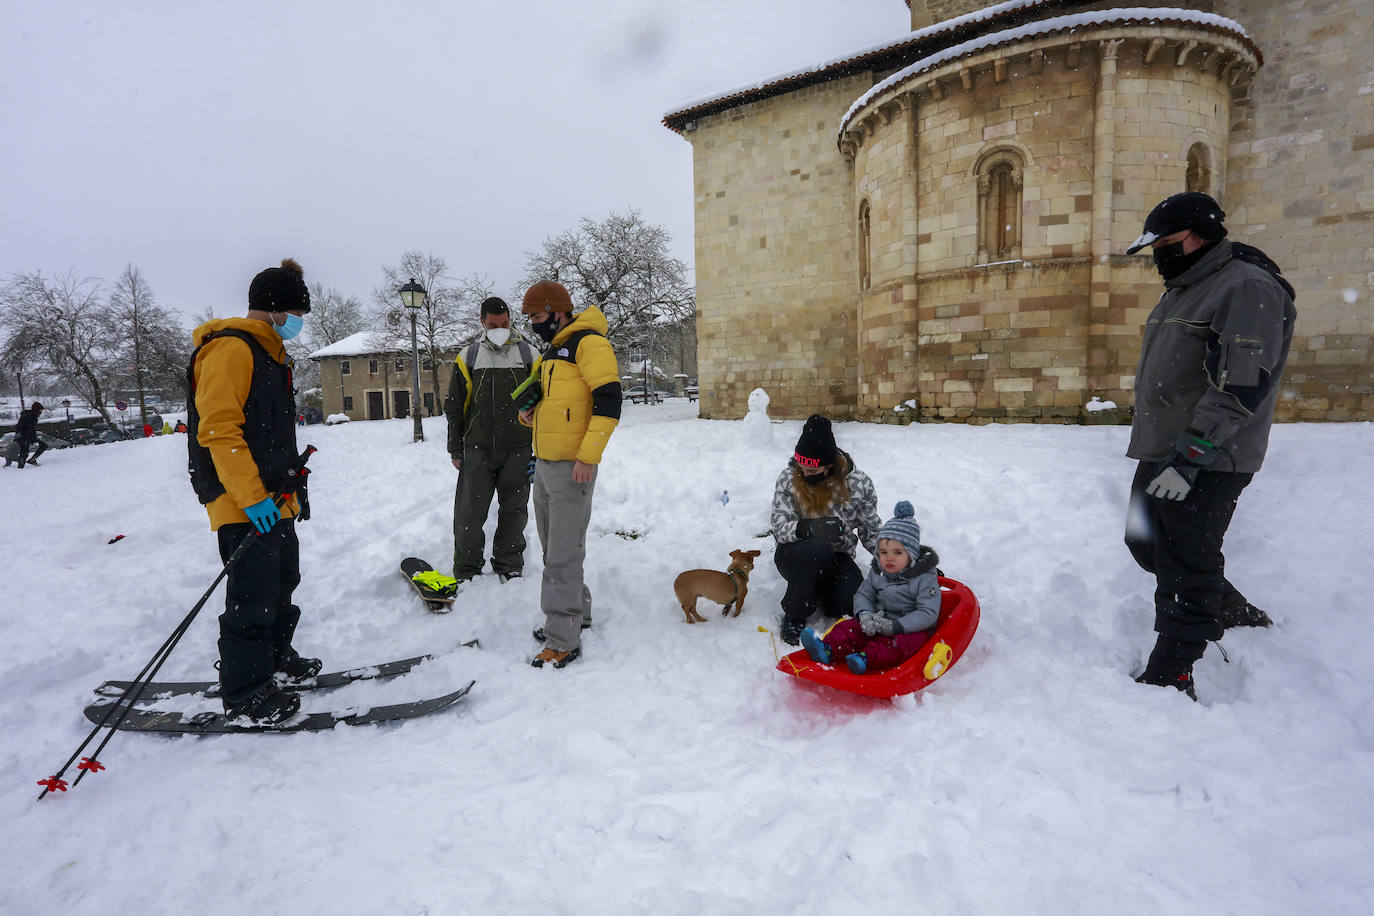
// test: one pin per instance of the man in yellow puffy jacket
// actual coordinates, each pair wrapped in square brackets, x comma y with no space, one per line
[579,408]
[242,442]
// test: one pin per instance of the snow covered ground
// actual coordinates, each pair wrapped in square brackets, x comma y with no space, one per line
[672,770]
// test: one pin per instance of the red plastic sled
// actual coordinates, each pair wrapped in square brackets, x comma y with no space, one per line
[953,632]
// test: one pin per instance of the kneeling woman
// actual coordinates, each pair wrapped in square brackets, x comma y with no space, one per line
[823,508]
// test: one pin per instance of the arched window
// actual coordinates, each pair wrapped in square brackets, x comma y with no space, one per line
[999,207]
[1199,177]
[865,237]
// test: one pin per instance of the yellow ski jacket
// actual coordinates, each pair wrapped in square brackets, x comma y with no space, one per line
[581,384]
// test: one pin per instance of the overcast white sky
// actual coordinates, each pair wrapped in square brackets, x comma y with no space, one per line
[203,141]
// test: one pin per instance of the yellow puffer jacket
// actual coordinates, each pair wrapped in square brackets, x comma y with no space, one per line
[565,427]
[223,373]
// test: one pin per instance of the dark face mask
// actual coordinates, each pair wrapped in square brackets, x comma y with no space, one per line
[1170,260]
[547,328]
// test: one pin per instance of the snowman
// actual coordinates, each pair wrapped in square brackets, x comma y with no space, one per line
[758,429]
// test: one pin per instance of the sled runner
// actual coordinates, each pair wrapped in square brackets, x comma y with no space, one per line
[953,632]
[437,590]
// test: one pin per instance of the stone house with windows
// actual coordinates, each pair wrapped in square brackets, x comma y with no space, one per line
[934,228]
[368,378]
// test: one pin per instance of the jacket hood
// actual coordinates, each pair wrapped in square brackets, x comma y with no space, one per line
[1212,260]
[590,318]
[261,330]
[926,561]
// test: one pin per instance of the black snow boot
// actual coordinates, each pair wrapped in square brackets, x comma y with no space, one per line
[790,631]
[294,669]
[269,705]
[1171,664]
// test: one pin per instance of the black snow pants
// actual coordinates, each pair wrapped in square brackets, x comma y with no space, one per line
[819,580]
[1179,543]
[259,619]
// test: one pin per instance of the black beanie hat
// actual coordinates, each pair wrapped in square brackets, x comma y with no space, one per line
[816,447]
[494,305]
[280,289]
[1188,210]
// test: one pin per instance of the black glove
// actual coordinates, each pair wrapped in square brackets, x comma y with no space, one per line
[303,497]
[820,529]
[1177,474]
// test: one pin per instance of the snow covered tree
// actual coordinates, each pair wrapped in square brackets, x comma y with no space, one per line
[621,265]
[151,346]
[64,323]
[447,320]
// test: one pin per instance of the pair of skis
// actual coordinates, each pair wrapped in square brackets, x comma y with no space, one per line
[146,719]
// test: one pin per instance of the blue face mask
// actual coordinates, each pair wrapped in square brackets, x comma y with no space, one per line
[291,328]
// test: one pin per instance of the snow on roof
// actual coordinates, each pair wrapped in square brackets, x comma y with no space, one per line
[915,37]
[370,343]
[1043,27]
[817,72]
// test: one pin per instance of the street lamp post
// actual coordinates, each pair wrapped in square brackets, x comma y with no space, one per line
[413,296]
[67,406]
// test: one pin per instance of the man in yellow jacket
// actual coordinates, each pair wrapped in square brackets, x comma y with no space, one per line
[242,441]
[579,408]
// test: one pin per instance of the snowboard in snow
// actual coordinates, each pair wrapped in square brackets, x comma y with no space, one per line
[160,689]
[212,723]
[436,601]
[959,614]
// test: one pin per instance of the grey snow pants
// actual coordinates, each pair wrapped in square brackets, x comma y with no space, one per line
[486,472]
[562,511]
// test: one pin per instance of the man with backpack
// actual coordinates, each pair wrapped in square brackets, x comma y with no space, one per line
[1211,362]
[489,446]
[242,442]
[26,434]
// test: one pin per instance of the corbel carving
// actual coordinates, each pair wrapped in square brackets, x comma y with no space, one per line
[966,78]
[1156,44]
[999,70]
[1108,49]
[1037,61]
[1188,47]
[937,90]
[1071,55]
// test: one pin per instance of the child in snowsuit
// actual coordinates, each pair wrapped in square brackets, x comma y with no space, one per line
[894,609]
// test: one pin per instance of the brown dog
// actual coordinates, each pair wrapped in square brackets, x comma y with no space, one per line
[725,588]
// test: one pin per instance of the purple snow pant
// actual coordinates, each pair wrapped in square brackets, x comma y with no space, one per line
[846,638]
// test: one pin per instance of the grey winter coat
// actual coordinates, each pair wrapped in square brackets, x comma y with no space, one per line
[910,598]
[858,517]
[1212,358]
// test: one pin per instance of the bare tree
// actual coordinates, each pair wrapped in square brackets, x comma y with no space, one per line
[447,321]
[150,345]
[621,265]
[63,323]
[333,316]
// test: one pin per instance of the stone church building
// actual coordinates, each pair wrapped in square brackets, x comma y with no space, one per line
[934,228]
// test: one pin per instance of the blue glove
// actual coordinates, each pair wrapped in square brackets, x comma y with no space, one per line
[263,514]
[529,470]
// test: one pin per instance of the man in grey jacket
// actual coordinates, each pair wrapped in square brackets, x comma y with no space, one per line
[489,446]
[1210,366]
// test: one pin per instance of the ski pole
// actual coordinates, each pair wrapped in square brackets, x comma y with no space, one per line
[295,477]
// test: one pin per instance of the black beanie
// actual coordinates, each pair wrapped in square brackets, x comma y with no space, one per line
[280,289]
[816,447]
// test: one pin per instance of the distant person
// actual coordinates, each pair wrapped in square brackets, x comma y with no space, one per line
[579,409]
[180,427]
[166,428]
[26,434]
[242,441]
[895,608]
[147,430]
[823,508]
[489,446]
[1211,362]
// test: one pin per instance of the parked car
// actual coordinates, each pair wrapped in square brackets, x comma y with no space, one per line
[46,439]
[637,394]
[113,435]
[81,435]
